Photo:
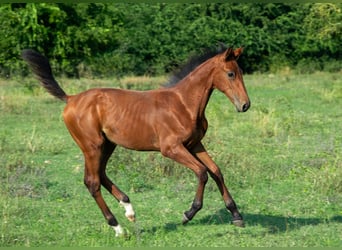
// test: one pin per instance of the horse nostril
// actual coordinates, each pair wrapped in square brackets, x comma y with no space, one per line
[245,107]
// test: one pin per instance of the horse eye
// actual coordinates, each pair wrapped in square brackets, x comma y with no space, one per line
[231,75]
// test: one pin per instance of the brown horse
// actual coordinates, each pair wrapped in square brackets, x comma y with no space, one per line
[170,120]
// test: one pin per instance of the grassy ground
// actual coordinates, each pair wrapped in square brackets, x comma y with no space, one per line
[281,161]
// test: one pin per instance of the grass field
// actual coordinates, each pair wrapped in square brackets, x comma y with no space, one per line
[281,161]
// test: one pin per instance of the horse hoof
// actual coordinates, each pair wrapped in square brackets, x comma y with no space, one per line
[131,218]
[126,235]
[185,219]
[238,223]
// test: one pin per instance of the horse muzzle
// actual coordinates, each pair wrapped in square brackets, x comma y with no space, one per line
[243,107]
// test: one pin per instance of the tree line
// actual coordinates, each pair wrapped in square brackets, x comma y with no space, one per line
[115,39]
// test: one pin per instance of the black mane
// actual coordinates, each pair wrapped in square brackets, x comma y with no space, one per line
[193,62]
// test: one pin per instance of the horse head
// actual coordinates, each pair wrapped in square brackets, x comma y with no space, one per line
[228,78]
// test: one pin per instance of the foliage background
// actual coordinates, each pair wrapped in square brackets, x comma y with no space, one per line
[105,40]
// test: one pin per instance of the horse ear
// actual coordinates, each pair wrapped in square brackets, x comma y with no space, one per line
[229,54]
[238,52]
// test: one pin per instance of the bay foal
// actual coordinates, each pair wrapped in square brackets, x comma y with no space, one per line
[170,120]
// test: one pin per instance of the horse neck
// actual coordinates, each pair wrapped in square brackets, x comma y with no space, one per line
[196,88]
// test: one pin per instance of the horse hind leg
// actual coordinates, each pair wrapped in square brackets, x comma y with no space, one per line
[96,158]
[93,183]
[96,149]
[107,150]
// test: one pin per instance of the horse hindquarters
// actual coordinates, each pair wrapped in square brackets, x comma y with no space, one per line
[84,128]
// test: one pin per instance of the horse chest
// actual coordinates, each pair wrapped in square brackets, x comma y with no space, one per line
[197,133]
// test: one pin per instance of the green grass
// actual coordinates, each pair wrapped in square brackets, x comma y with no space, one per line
[281,161]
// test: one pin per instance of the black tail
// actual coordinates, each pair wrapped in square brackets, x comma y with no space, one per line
[41,68]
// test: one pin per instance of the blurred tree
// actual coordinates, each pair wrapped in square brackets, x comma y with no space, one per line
[102,39]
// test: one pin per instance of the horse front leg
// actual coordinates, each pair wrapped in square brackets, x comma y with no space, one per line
[215,172]
[181,155]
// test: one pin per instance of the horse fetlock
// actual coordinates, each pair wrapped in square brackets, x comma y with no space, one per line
[196,206]
[231,205]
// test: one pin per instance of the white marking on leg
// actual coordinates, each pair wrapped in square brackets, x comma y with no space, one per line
[129,210]
[118,230]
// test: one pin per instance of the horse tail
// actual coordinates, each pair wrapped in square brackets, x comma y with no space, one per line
[41,68]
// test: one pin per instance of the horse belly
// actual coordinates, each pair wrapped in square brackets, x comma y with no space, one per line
[133,134]
[135,141]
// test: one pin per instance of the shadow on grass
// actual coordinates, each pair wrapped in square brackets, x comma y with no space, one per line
[168,227]
[274,223]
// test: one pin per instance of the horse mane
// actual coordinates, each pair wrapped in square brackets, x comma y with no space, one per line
[193,62]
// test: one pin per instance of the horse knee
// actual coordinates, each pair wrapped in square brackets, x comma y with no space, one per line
[125,199]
